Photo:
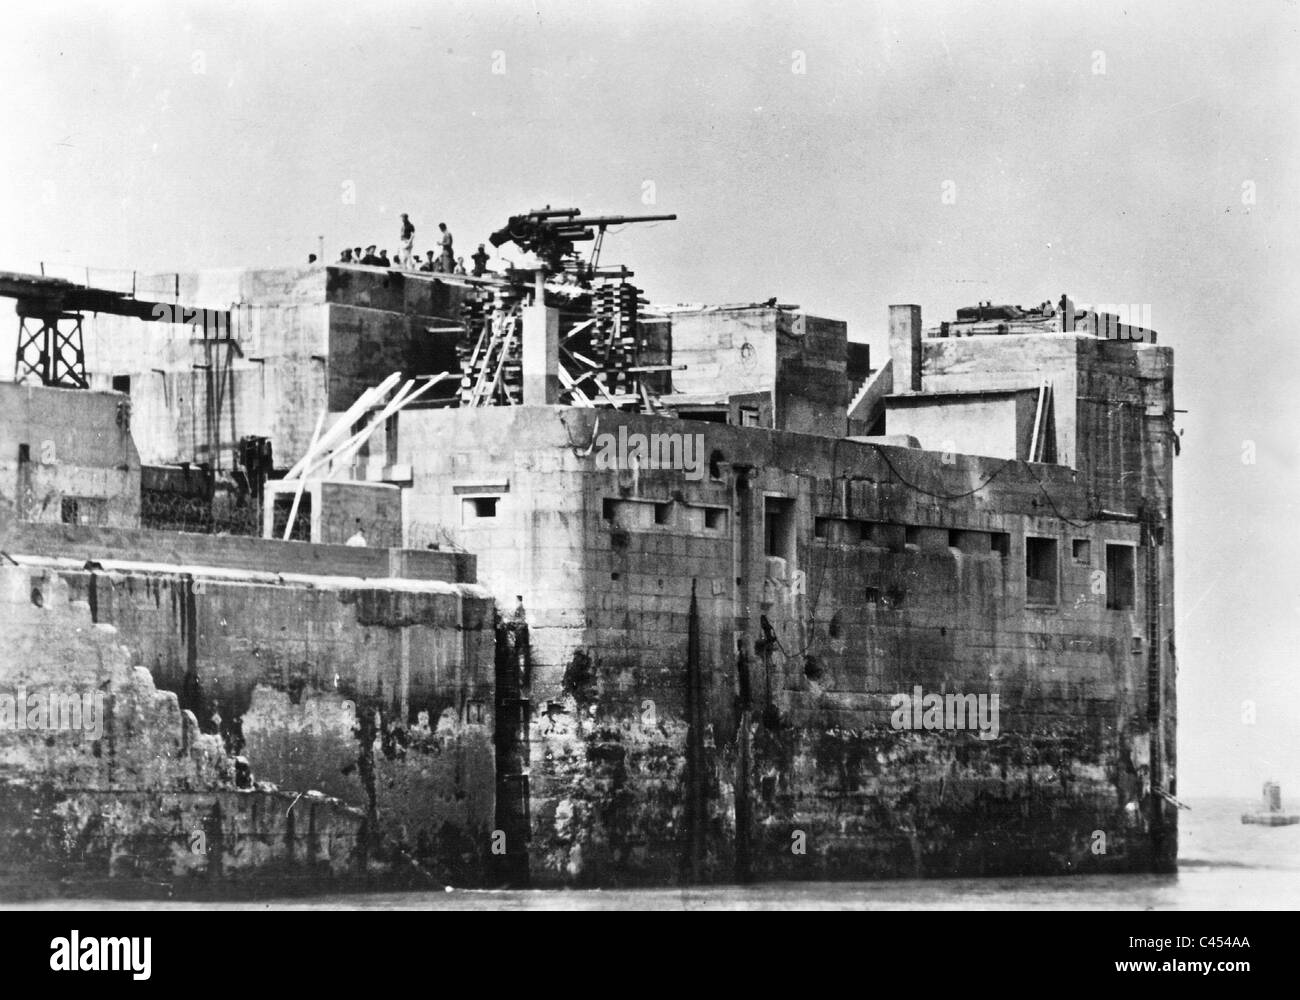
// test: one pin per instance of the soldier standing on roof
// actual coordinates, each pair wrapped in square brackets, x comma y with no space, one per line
[448,261]
[408,241]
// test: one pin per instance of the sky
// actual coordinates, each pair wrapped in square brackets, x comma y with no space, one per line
[842,156]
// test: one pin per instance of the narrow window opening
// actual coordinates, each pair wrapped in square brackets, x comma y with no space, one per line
[479,507]
[1120,578]
[1040,570]
[778,528]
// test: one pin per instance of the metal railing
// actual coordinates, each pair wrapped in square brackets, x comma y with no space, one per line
[151,285]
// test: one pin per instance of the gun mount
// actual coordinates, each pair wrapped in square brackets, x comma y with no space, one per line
[551,234]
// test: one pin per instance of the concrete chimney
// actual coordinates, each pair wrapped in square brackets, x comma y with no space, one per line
[905,347]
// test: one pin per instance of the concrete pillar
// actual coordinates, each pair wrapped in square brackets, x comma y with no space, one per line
[541,355]
[905,347]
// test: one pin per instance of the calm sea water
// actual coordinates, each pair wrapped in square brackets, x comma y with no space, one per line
[1224,864]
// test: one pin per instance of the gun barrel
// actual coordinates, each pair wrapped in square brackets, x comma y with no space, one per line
[617,220]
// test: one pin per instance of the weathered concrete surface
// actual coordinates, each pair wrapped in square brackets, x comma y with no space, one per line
[812,387]
[195,391]
[886,569]
[340,509]
[68,453]
[753,736]
[301,340]
[233,552]
[795,361]
[1011,363]
[376,692]
[998,423]
[133,798]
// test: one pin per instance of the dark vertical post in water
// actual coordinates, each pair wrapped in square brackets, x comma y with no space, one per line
[695,800]
[511,745]
[1151,532]
[191,694]
[749,536]
[741,781]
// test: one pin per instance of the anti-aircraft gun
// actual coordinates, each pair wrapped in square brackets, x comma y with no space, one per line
[551,234]
[607,356]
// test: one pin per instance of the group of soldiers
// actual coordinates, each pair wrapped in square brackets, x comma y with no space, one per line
[443,262]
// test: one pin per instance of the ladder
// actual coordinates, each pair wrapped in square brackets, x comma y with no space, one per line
[493,372]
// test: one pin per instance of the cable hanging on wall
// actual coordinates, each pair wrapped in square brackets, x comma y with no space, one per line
[930,493]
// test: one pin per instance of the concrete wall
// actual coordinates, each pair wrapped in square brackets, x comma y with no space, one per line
[725,351]
[300,340]
[1124,412]
[376,692]
[1112,405]
[196,393]
[375,509]
[249,555]
[1010,362]
[879,587]
[132,797]
[812,387]
[67,444]
[999,425]
[386,321]
[340,509]
[798,361]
